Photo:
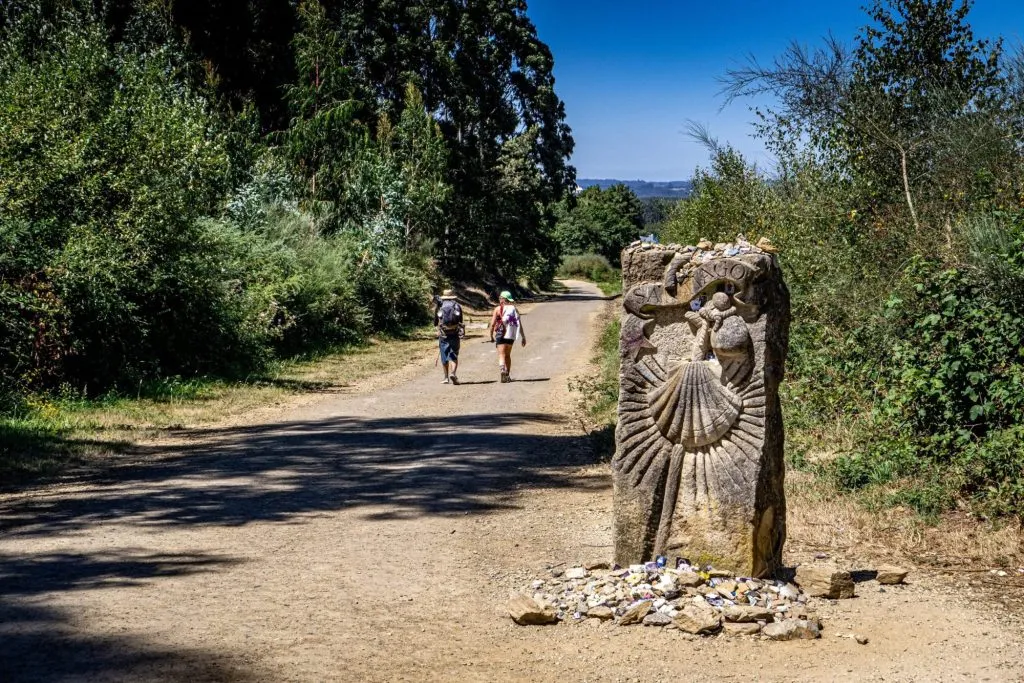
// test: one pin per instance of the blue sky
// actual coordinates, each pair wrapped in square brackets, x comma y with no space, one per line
[632,73]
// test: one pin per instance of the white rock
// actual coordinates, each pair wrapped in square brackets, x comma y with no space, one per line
[576,573]
[789,592]
[792,629]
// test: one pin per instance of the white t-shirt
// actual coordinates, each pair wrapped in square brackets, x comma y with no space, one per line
[510,319]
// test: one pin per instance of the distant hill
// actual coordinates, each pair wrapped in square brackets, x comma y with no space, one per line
[676,189]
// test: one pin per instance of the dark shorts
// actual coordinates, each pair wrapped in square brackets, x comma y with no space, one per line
[509,342]
[449,345]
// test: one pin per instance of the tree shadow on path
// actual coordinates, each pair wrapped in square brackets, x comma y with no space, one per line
[441,465]
[394,467]
[46,643]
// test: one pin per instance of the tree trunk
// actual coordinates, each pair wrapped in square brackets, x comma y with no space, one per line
[906,190]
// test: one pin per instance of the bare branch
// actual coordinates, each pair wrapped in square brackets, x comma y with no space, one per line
[699,132]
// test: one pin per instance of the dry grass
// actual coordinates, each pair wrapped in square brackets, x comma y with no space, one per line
[203,402]
[289,384]
[820,518]
[49,435]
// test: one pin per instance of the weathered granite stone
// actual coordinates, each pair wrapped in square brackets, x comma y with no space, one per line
[742,614]
[524,610]
[890,576]
[792,629]
[635,614]
[696,619]
[689,579]
[657,619]
[575,573]
[741,629]
[698,469]
[825,580]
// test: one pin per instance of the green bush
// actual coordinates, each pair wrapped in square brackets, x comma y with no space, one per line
[949,386]
[296,289]
[589,267]
[728,198]
[120,260]
[107,161]
[395,292]
[600,221]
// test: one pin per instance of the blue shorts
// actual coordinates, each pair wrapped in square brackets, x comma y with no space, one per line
[449,345]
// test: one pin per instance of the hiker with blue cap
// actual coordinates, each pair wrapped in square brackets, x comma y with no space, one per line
[506,327]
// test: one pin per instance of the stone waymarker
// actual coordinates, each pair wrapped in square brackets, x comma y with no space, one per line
[698,468]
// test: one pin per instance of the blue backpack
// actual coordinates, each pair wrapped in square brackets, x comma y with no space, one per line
[450,316]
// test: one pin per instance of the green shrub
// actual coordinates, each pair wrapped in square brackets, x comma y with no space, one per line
[114,268]
[949,385]
[107,161]
[395,292]
[588,267]
[600,221]
[959,370]
[728,198]
[298,290]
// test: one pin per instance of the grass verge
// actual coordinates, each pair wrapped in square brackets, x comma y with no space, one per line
[598,391]
[47,434]
[609,287]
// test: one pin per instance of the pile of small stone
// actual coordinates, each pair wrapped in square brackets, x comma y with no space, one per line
[705,250]
[685,597]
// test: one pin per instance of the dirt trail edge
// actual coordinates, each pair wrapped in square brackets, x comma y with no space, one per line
[377,536]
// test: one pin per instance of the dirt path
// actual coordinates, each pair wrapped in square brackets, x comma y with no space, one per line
[376,537]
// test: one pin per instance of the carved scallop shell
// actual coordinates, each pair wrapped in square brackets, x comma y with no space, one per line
[693,407]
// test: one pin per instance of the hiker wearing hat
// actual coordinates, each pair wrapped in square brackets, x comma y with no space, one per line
[506,326]
[450,331]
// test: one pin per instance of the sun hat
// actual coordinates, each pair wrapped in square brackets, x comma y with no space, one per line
[448,294]
[507,296]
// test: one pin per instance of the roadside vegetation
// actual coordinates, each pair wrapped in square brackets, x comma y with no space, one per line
[597,392]
[47,433]
[592,267]
[188,200]
[593,227]
[188,204]
[898,205]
